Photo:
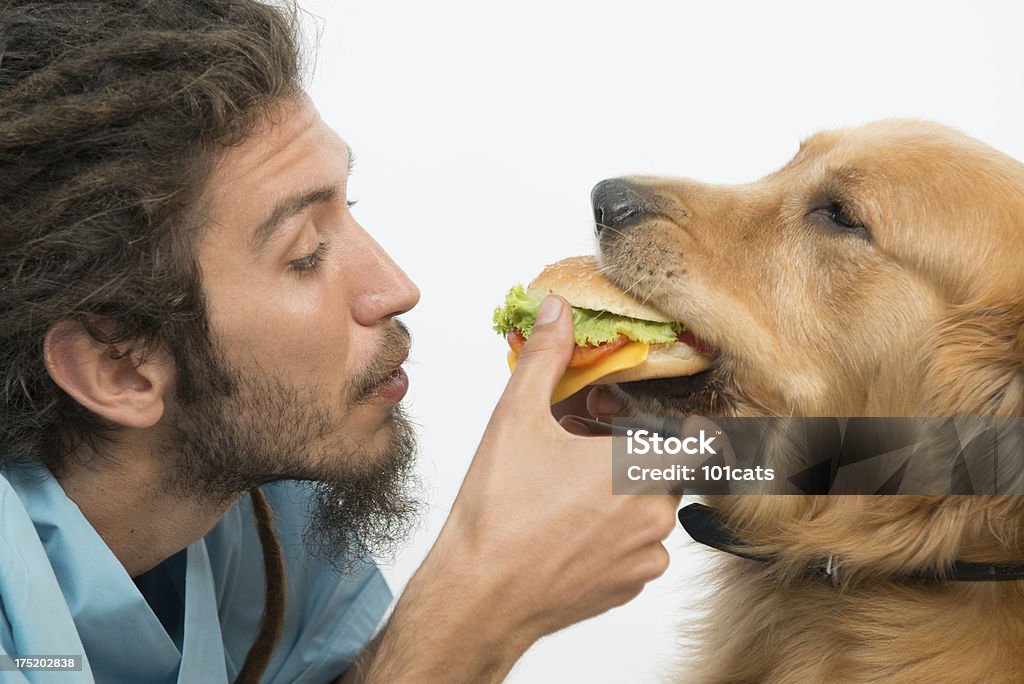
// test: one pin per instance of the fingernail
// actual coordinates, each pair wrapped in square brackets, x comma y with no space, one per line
[574,425]
[584,426]
[550,309]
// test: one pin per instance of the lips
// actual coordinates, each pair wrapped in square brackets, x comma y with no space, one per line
[392,389]
[380,379]
[684,386]
[706,394]
[384,376]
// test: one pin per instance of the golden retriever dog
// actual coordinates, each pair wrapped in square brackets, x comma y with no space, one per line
[878,273]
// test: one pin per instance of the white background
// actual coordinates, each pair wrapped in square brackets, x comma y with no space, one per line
[480,128]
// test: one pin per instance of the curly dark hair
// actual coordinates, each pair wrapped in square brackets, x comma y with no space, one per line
[112,114]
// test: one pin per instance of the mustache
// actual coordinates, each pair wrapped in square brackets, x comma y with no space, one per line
[394,350]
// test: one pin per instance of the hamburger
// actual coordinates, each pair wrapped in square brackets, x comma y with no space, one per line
[618,337]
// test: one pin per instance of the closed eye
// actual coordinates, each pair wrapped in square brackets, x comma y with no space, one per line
[310,263]
[836,217]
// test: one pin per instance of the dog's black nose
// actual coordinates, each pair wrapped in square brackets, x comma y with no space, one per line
[615,204]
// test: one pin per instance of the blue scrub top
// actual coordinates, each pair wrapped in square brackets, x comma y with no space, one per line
[63,592]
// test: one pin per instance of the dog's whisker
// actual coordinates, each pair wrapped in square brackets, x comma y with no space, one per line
[626,290]
[613,231]
[654,289]
[636,283]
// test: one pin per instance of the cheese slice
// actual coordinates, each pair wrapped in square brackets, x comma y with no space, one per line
[575,379]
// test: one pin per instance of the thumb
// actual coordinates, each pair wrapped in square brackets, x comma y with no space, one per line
[547,352]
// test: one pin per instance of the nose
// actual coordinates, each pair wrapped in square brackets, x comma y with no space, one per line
[382,290]
[616,204]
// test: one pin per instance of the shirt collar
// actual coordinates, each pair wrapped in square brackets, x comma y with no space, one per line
[122,636]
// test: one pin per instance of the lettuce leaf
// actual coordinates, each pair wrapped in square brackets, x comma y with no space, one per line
[589,326]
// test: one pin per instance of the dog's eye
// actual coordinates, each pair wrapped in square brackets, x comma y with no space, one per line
[840,220]
[837,212]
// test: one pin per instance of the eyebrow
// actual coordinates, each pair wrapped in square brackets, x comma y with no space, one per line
[294,204]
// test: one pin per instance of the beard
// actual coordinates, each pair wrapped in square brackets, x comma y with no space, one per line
[238,430]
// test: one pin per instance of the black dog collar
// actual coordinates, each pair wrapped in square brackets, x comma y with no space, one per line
[706,526]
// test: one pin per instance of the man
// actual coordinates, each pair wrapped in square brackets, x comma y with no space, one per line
[202,441]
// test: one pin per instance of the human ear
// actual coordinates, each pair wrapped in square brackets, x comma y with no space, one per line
[106,378]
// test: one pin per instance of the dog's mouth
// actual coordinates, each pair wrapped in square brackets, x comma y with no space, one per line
[676,388]
[705,393]
[712,392]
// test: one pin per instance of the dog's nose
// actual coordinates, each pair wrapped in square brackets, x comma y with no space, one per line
[615,204]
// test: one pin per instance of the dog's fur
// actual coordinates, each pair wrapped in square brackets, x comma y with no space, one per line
[919,312]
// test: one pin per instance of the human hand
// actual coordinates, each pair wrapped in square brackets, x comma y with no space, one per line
[548,540]
[535,540]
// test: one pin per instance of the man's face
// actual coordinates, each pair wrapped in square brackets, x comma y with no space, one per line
[301,304]
[310,298]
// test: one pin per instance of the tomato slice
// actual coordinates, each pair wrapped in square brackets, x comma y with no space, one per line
[592,353]
[581,356]
[516,340]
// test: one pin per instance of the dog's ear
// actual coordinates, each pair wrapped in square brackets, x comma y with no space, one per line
[977,363]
